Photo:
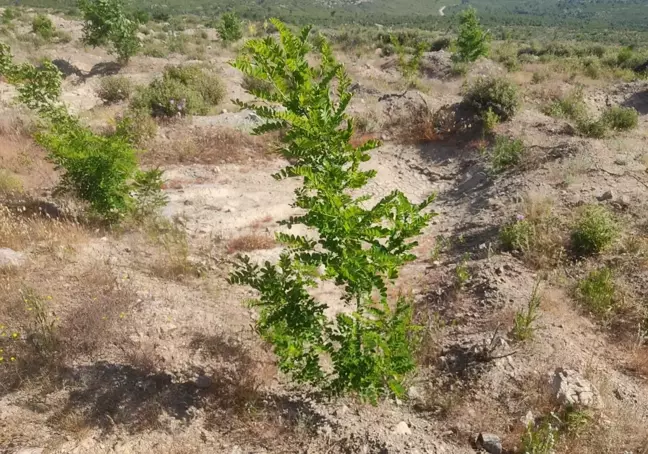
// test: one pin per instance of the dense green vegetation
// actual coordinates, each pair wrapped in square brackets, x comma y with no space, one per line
[572,19]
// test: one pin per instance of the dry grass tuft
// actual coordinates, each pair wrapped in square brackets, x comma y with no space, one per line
[221,145]
[18,232]
[250,242]
[52,328]
[175,261]
[417,125]
[25,163]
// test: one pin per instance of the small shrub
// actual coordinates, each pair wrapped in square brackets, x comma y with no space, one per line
[9,183]
[596,50]
[459,69]
[594,231]
[113,89]
[137,127]
[176,262]
[440,44]
[408,67]
[524,320]
[154,49]
[621,118]
[495,94]
[490,120]
[462,273]
[517,235]
[182,90]
[571,106]
[505,153]
[100,170]
[598,291]
[43,27]
[230,28]
[142,17]
[596,129]
[539,77]
[541,438]
[8,15]
[472,42]
[592,68]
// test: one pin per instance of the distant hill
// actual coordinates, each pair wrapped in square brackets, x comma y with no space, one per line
[617,14]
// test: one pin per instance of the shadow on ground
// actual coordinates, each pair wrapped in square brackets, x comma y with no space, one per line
[123,397]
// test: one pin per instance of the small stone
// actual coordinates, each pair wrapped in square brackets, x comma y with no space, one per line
[490,443]
[607,195]
[203,382]
[343,410]
[621,161]
[224,111]
[623,201]
[414,393]
[402,429]
[10,258]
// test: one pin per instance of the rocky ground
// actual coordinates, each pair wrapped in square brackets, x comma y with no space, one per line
[167,360]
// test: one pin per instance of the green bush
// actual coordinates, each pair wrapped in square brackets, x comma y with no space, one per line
[495,94]
[592,68]
[43,27]
[505,153]
[517,235]
[101,170]
[571,106]
[113,89]
[229,27]
[594,231]
[106,22]
[182,90]
[440,44]
[621,118]
[8,15]
[137,127]
[598,291]
[596,129]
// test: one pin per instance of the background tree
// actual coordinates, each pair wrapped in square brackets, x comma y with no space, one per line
[472,42]
[229,27]
[369,348]
[106,23]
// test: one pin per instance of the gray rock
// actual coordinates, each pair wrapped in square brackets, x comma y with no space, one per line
[570,388]
[11,259]
[203,382]
[30,451]
[402,429]
[490,443]
[607,195]
[623,201]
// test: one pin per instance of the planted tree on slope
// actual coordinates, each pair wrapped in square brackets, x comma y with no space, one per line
[369,349]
